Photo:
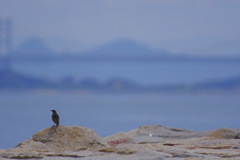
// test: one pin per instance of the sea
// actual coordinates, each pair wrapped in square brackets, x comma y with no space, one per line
[23,113]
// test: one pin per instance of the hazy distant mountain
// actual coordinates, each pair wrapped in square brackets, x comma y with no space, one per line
[33,47]
[123,49]
[12,80]
[232,83]
[127,48]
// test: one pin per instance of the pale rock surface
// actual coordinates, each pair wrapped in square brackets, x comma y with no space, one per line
[152,142]
[156,133]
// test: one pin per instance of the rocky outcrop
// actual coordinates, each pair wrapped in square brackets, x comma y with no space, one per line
[153,142]
[167,133]
[225,133]
[56,141]
[154,134]
[68,138]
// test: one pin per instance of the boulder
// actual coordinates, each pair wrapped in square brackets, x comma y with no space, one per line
[56,141]
[62,138]
[224,133]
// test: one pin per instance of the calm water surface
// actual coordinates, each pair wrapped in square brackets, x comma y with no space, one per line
[25,113]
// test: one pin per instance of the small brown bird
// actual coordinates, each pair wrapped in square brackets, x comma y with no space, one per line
[55,117]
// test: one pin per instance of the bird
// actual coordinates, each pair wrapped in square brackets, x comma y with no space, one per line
[55,117]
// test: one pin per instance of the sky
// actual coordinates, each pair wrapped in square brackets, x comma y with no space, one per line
[192,27]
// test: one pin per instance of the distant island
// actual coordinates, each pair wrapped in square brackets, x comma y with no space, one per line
[10,79]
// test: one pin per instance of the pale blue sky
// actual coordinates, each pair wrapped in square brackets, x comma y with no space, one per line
[196,27]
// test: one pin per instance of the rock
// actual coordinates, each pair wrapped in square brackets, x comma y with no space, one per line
[224,133]
[20,154]
[119,138]
[153,134]
[57,141]
[68,138]
[167,133]
[157,133]
[152,142]
[122,151]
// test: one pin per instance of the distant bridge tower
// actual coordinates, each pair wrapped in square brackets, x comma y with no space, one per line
[1,37]
[5,42]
